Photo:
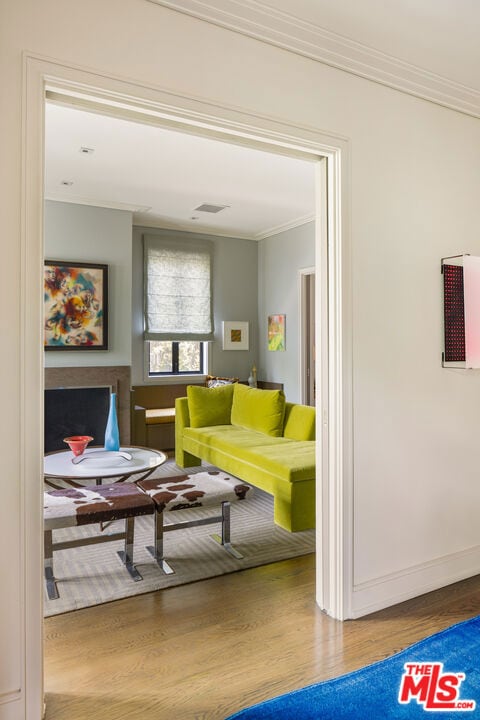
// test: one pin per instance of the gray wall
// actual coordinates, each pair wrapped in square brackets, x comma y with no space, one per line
[235,297]
[280,258]
[251,281]
[92,234]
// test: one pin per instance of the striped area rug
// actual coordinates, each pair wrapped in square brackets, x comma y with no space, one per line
[93,574]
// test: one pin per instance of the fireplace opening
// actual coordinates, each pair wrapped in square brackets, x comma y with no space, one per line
[75,411]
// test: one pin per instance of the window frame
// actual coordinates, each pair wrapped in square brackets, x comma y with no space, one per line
[175,360]
[165,378]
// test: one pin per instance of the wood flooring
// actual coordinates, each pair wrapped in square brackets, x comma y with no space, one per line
[204,650]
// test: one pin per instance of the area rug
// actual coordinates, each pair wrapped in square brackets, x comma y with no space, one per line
[93,574]
[438,676]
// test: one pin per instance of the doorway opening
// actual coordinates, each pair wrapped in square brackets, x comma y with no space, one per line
[333,392]
[86,111]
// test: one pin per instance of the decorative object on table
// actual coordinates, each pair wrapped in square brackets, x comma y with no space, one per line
[112,435]
[78,443]
[252,380]
[276,332]
[461,311]
[75,306]
[104,458]
[235,335]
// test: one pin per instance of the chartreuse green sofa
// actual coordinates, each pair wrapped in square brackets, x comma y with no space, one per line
[257,436]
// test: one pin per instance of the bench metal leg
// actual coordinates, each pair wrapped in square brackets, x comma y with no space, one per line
[52,589]
[126,555]
[157,550]
[225,538]
[161,529]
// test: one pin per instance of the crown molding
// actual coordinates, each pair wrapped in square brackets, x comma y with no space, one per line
[286,226]
[95,202]
[156,221]
[258,20]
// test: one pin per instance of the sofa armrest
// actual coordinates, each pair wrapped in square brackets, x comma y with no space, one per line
[182,420]
[182,416]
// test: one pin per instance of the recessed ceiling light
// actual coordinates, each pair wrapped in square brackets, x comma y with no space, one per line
[87,150]
[211,208]
[67,183]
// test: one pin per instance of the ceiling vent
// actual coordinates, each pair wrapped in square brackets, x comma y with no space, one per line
[209,208]
[87,150]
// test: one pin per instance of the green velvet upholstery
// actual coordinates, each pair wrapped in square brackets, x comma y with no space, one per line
[261,410]
[283,466]
[299,423]
[209,406]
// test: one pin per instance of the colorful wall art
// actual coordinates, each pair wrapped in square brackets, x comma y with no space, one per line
[276,332]
[75,306]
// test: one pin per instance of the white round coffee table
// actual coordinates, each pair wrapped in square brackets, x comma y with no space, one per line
[98,463]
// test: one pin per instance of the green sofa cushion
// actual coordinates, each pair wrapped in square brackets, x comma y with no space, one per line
[290,460]
[299,422]
[209,406]
[260,410]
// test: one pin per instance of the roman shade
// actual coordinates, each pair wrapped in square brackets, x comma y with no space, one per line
[178,288]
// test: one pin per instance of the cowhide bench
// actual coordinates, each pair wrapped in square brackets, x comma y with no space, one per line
[70,507]
[183,492]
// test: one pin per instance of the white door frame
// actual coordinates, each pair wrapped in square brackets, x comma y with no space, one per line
[333,313]
[303,330]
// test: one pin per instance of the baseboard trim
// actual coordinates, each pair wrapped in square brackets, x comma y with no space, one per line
[397,587]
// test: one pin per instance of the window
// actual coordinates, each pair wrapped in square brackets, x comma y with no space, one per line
[178,304]
[175,358]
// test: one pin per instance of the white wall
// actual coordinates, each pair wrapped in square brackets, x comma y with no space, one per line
[91,234]
[280,259]
[235,293]
[413,182]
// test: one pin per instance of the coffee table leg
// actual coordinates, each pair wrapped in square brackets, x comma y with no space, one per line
[126,556]
[52,589]
[157,550]
[225,539]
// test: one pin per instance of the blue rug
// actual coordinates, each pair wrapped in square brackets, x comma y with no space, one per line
[438,676]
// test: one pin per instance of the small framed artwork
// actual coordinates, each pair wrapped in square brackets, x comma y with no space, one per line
[276,332]
[235,335]
[75,306]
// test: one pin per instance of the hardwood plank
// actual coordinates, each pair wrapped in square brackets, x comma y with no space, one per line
[202,651]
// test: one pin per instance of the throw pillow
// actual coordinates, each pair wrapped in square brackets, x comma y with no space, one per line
[215,381]
[209,406]
[260,410]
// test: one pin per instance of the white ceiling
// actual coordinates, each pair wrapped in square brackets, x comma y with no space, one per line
[163,175]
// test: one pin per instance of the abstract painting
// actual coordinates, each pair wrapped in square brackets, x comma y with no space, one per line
[75,306]
[276,332]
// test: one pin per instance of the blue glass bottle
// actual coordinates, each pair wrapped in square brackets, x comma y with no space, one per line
[112,436]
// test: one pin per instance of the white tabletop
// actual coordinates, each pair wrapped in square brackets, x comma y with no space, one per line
[97,462]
